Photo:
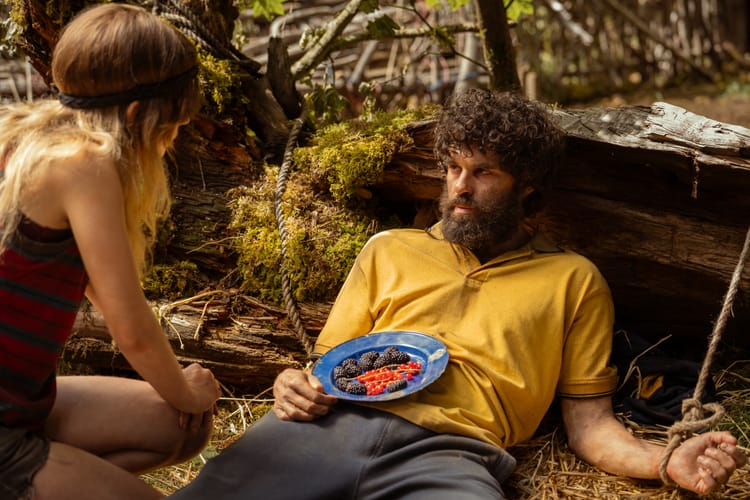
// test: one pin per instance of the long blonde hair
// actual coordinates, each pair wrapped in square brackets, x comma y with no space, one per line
[107,50]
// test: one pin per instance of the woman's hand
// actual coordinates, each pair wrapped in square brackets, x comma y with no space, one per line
[299,396]
[204,389]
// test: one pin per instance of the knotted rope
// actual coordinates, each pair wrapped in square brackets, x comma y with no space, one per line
[286,288]
[693,411]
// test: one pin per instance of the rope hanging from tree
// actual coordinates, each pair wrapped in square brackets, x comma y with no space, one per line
[693,410]
[286,288]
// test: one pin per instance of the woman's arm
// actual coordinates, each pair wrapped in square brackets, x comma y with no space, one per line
[701,464]
[91,198]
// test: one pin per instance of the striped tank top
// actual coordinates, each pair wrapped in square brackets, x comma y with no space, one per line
[42,284]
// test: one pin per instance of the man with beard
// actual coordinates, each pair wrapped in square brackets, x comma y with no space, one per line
[524,322]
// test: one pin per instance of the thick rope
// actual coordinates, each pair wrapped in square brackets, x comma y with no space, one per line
[187,22]
[693,411]
[286,288]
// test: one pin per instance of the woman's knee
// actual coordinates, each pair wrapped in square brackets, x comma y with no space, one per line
[194,439]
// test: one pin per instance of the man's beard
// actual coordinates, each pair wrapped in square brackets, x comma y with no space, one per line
[492,222]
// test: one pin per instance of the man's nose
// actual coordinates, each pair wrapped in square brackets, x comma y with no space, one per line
[463,183]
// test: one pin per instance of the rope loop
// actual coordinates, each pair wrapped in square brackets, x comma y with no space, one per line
[693,421]
[692,410]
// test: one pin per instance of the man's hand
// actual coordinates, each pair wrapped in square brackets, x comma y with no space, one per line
[597,437]
[705,462]
[299,396]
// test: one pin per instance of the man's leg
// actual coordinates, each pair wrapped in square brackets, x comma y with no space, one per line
[283,460]
[353,452]
[417,464]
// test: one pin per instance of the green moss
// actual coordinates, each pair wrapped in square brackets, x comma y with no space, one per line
[321,240]
[351,155]
[219,80]
[171,281]
[326,223]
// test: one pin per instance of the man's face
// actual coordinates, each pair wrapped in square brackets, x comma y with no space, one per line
[481,205]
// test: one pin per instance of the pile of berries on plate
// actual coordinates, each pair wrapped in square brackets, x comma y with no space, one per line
[375,373]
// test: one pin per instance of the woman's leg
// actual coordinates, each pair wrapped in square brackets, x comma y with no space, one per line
[124,421]
[73,474]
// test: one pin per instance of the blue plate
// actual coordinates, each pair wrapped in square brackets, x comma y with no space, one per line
[428,351]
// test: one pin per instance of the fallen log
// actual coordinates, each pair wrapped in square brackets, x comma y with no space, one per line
[245,352]
[656,196]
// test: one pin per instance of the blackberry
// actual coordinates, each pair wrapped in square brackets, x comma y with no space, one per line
[382,361]
[367,360]
[401,357]
[338,372]
[350,367]
[342,384]
[349,361]
[390,350]
[355,388]
[396,385]
[389,357]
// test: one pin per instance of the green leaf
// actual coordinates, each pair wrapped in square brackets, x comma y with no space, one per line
[267,8]
[516,8]
[368,6]
[453,4]
[382,27]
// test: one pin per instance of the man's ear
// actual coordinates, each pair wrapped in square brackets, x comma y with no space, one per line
[526,191]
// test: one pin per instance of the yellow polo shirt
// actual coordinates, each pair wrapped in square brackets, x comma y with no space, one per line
[519,328]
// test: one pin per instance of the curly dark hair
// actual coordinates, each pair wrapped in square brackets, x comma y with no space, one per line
[520,131]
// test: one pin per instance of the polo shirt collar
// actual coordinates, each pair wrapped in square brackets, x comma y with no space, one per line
[538,243]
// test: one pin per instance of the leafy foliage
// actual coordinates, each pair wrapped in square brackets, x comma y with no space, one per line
[263,8]
[513,8]
[8,30]
[322,239]
[382,27]
[171,281]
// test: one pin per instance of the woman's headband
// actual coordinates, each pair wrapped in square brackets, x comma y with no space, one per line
[137,93]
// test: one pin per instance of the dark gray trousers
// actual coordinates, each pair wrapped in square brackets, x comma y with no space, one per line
[352,453]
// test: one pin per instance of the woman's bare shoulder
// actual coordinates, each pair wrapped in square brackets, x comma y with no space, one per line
[48,191]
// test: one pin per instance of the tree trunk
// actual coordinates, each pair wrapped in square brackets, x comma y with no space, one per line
[499,52]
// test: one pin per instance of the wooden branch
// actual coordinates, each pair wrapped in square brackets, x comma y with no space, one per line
[499,52]
[320,49]
[349,41]
[280,78]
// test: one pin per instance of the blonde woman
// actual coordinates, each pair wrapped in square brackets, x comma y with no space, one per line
[82,187]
